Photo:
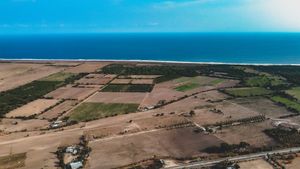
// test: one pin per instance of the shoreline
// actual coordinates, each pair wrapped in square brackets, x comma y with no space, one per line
[149,61]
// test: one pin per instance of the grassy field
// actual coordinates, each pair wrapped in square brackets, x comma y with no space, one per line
[128,88]
[248,91]
[289,104]
[60,76]
[189,83]
[91,111]
[295,92]
[264,81]
[12,161]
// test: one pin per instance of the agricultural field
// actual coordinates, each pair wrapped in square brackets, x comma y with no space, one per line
[136,115]
[90,111]
[117,97]
[180,143]
[13,75]
[58,110]
[128,88]
[189,83]
[248,91]
[95,79]
[71,93]
[33,108]
[263,106]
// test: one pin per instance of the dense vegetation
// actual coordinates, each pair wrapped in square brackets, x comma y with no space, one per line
[285,137]
[264,81]
[291,73]
[91,111]
[12,99]
[247,91]
[128,88]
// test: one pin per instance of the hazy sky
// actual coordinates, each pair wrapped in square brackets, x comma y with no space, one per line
[52,16]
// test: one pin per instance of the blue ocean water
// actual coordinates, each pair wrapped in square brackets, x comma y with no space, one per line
[260,48]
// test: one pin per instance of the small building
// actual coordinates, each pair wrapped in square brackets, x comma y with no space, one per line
[76,165]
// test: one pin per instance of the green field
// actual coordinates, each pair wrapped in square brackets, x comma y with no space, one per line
[295,92]
[60,76]
[12,161]
[128,88]
[289,104]
[91,111]
[264,81]
[248,91]
[189,83]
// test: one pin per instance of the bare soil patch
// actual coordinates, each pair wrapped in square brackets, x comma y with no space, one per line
[121,81]
[17,125]
[58,110]
[33,108]
[13,75]
[72,93]
[142,81]
[117,97]
[255,164]
[250,133]
[175,143]
[263,106]
[138,76]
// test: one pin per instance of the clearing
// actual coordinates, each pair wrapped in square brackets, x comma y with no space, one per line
[255,164]
[12,161]
[71,93]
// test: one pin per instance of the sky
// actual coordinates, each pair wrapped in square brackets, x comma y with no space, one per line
[88,16]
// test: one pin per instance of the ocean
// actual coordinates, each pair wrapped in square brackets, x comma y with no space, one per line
[249,48]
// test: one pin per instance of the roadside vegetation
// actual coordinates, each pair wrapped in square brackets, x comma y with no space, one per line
[248,91]
[92,111]
[12,99]
[128,88]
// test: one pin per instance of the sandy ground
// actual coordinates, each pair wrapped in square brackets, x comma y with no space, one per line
[35,107]
[13,75]
[117,97]
[175,143]
[8,125]
[58,110]
[69,92]
[255,164]
[294,165]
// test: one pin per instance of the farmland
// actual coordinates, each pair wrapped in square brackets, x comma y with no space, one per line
[90,111]
[140,115]
[248,91]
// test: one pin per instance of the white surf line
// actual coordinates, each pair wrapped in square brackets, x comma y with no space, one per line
[152,61]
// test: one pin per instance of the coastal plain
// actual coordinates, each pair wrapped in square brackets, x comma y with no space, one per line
[146,115]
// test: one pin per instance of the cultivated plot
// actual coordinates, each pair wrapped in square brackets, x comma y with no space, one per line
[33,108]
[71,93]
[117,97]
